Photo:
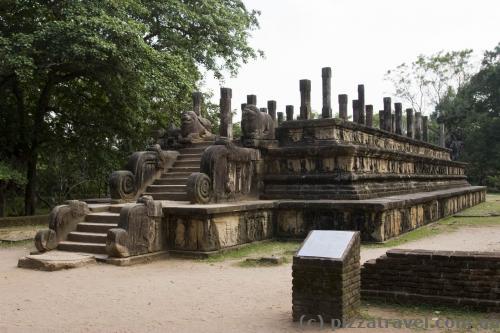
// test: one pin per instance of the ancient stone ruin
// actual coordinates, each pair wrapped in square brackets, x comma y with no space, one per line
[195,192]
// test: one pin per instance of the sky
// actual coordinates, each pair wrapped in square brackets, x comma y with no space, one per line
[359,39]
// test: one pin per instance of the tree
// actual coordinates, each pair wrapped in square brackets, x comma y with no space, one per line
[472,117]
[428,79]
[10,179]
[99,73]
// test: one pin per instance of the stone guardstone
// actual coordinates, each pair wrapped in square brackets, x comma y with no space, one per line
[56,260]
[326,278]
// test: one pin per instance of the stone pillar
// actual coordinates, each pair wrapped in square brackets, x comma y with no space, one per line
[393,123]
[442,137]
[398,109]
[387,115]
[425,132]
[305,99]
[369,115]
[197,102]
[381,119]
[252,100]
[326,75]
[410,123]
[343,106]
[355,110]
[280,118]
[289,112]
[361,104]
[243,106]
[418,125]
[226,117]
[271,107]
[263,110]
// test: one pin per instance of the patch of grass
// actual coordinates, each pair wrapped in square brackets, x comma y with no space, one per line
[253,264]
[257,249]
[419,233]
[8,244]
[373,309]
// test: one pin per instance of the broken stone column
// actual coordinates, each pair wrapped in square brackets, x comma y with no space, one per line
[271,107]
[442,138]
[369,115]
[355,110]
[289,112]
[381,119]
[243,106]
[280,118]
[252,100]
[343,106]
[410,123]
[361,104]
[387,115]
[425,132]
[226,117]
[305,99]
[326,75]
[264,110]
[418,125]
[197,102]
[398,109]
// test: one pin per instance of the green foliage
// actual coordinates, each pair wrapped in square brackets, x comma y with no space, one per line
[472,118]
[425,81]
[10,175]
[82,83]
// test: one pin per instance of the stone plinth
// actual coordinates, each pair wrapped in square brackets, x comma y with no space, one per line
[326,277]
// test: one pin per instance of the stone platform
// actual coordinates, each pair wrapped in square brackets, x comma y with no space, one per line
[199,229]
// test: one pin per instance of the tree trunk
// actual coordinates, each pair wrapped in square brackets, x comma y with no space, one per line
[3,196]
[30,190]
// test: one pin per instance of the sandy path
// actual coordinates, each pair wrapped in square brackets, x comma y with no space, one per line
[171,295]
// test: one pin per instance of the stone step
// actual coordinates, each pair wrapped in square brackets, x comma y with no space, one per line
[98,208]
[87,237]
[170,175]
[171,181]
[183,157]
[198,151]
[174,196]
[165,188]
[115,209]
[82,247]
[184,169]
[95,227]
[104,217]
[187,163]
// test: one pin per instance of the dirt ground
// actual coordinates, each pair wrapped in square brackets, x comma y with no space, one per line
[204,296]
[176,295]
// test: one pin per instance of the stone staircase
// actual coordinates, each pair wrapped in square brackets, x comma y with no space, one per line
[90,235]
[172,184]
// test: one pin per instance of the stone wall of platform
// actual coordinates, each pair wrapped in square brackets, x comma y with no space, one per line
[378,220]
[464,279]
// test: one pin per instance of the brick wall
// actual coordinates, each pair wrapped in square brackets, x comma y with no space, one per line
[326,287]
[449,278]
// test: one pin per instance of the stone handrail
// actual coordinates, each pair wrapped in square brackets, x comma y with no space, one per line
[141,169]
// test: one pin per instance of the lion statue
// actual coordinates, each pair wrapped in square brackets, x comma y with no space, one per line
[256,124]
[194,127]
